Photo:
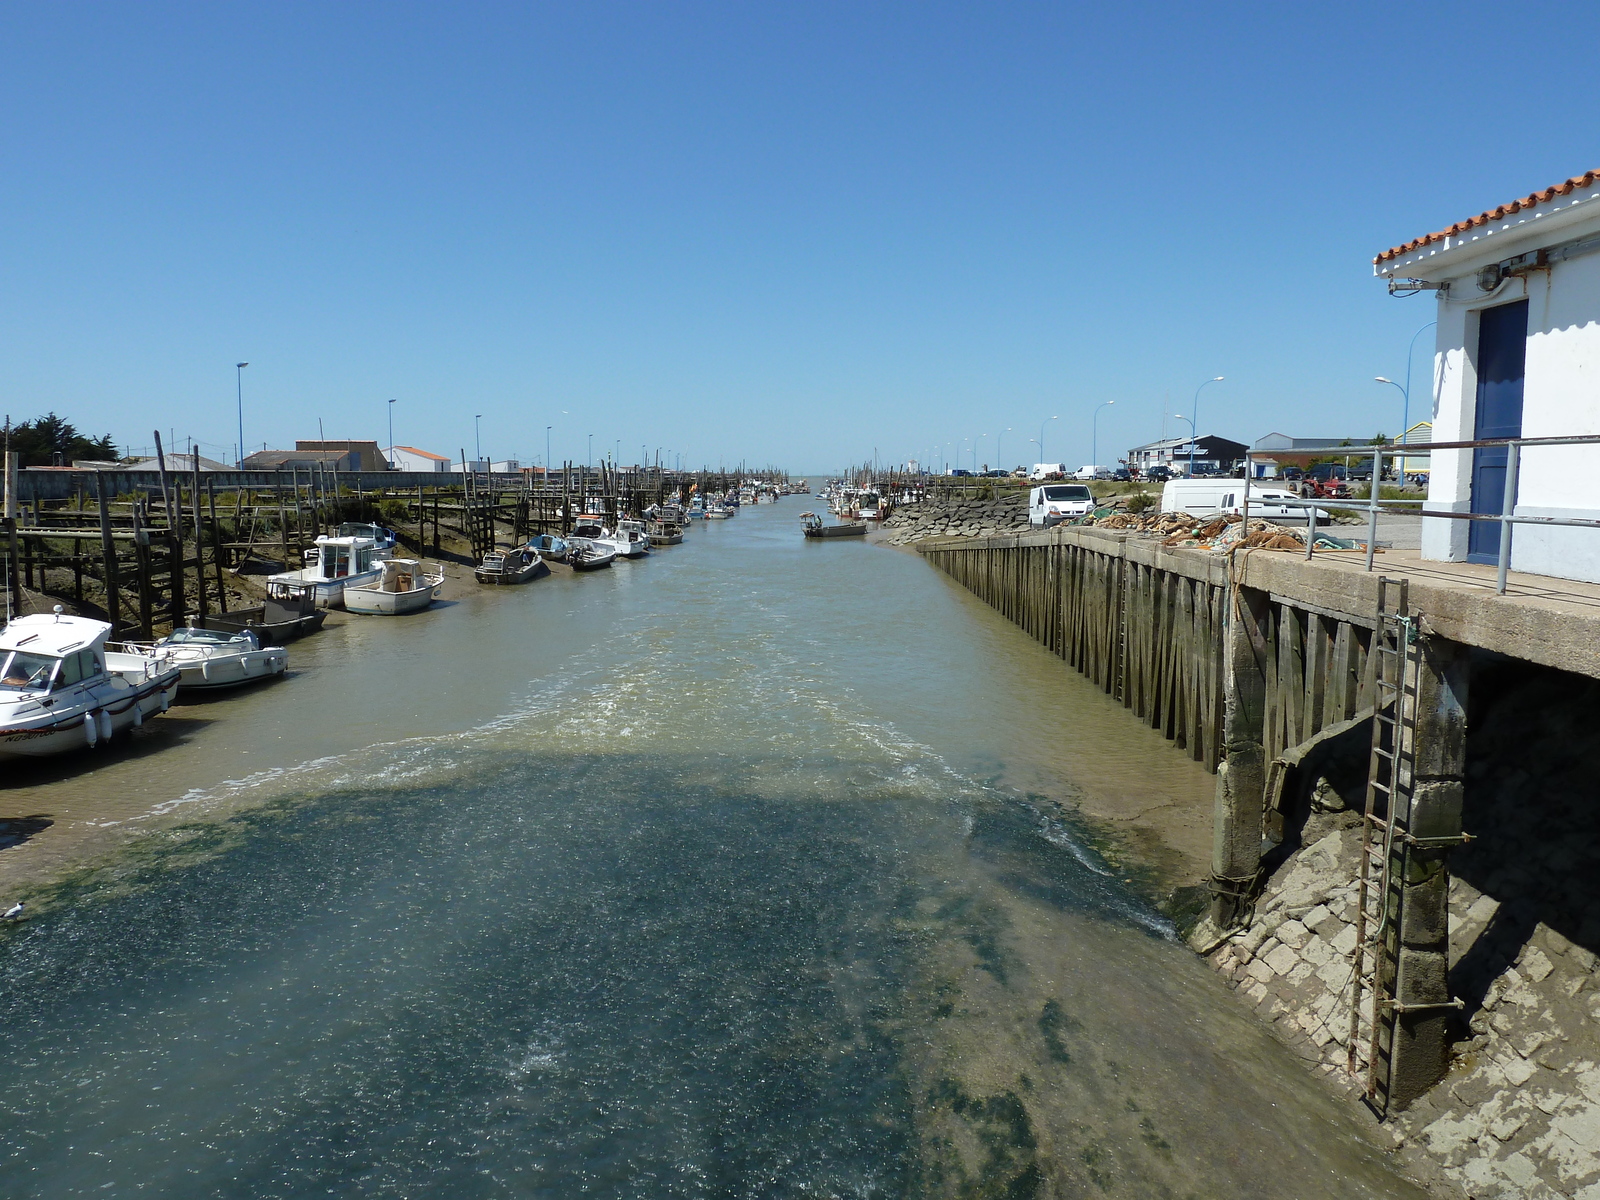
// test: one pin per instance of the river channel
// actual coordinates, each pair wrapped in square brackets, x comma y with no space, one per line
[739,871]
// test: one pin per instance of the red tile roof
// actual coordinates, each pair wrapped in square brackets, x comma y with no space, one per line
[1494,214]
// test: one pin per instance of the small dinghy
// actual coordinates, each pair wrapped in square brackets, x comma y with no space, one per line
[217,658]
[583,554]
[401,587]
[509,566]
[63,688]
[550,547]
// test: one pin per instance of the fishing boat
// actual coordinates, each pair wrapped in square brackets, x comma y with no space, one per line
[402,587]
[586,554]
[342,561]
[63,688]
[718,512]
[631,539]
[517,565]
[210,659]
[551,548]
[664,533]
[815,527]
[289,611]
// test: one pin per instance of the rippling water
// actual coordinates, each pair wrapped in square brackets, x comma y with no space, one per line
[705,876]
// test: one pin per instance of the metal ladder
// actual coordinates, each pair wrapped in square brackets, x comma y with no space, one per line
[1384,834]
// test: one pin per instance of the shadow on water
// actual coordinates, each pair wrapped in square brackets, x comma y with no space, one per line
[629,975]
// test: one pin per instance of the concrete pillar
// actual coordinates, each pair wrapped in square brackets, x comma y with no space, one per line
[1420,1048]
[1241,775]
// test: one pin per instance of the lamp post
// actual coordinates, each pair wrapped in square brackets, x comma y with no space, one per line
[1405,412]
[1040,439]
[1190,424]
[1194,421]
[547,454]
[390,407]
[1094,434]
[588,462]
[238,380]
[477,443]
[1400,440]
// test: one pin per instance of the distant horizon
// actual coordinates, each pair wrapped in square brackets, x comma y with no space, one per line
[803,236]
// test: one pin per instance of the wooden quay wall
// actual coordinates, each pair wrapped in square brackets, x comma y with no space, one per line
[1146,623]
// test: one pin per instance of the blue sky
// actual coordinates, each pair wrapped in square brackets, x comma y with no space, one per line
[785,233]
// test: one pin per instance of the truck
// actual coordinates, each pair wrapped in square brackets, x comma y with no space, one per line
[1042,471]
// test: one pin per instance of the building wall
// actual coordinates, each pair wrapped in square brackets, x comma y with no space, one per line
[1561,397]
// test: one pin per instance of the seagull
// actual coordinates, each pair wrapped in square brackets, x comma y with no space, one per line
[14,911]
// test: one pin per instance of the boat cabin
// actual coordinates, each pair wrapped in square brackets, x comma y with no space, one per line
[340,557]
[44,651]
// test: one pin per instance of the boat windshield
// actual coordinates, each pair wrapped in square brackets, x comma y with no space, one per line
[24,672]
[203,637]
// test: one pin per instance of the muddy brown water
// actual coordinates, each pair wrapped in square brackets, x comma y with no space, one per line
[755,869]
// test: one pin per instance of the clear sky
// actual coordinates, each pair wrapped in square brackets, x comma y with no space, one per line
[794,234]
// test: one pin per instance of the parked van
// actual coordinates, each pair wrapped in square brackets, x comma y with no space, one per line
[1055,502]
[1048,471]
[1209,497]
[1093,472]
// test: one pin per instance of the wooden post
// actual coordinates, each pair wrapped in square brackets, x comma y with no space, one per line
[141,555]
[216,544]
[283,523]
[199,546]
[1241,776]
[108,555]
[166,496]
[13,554]
[1421,1050]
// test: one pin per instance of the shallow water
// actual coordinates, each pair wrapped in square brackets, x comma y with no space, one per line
[729,873]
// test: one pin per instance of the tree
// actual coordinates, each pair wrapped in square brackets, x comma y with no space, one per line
[49,441]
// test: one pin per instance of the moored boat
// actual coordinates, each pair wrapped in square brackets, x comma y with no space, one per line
[551,547]
[401,587]
[815,527]
[289,611]
[219,658]
[517,565]
[63,688]
[342,561]
[586,554]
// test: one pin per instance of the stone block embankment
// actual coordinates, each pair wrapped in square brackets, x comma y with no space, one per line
[956,517]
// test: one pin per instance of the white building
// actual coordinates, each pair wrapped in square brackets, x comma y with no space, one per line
[409,458]
[1518,355]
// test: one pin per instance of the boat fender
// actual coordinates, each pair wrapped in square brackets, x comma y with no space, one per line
[91,729]
[138,714]
[166,699]
[105,724]
[205,670]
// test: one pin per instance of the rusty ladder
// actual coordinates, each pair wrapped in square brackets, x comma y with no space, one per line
[1384,833]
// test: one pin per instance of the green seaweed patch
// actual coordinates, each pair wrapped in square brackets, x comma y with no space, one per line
[1002,1129]
[1054,1024]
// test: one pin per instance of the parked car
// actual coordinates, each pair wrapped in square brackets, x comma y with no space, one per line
[1121,475]
[1055,502]
[1158,474]
[994,474]
[959,472]
[1293,473]
[1326,471]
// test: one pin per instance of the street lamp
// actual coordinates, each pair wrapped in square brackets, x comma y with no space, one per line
[390,407]
[547,454]
[477,443]
[1040,439]
[589,461]
[1094,434]
[975,452]
[1194,422]
[238,379]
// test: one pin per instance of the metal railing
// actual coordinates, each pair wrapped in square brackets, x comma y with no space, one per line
[1507,517]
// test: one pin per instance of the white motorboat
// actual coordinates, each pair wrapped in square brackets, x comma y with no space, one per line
[632,541]
[583,554]
[402,586]
[219,658]
[62,688]
[718,512]
[342,561]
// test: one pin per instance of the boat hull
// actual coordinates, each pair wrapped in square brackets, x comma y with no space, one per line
[372,602]
[837,531]
[112,715]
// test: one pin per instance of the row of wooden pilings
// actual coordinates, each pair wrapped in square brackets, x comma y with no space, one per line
[1249,664]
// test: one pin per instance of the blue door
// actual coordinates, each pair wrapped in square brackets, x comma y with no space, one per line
[1502,355]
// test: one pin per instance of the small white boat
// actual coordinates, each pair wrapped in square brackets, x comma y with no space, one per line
[517,565]
[219,658]
[401,587]
[585,554]
[342,561]
[631,539]
[717,513]
[62,688]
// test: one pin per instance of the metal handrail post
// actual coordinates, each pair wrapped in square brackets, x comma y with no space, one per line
[1311,526]
[1513,460]
[1372,504]
[1245,531]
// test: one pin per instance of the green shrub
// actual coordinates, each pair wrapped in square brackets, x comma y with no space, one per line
[394,509]
[1140,502]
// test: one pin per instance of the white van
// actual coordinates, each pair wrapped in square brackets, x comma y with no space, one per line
[1093,472]
[1048,471]
[1208,496]
[1055,502]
